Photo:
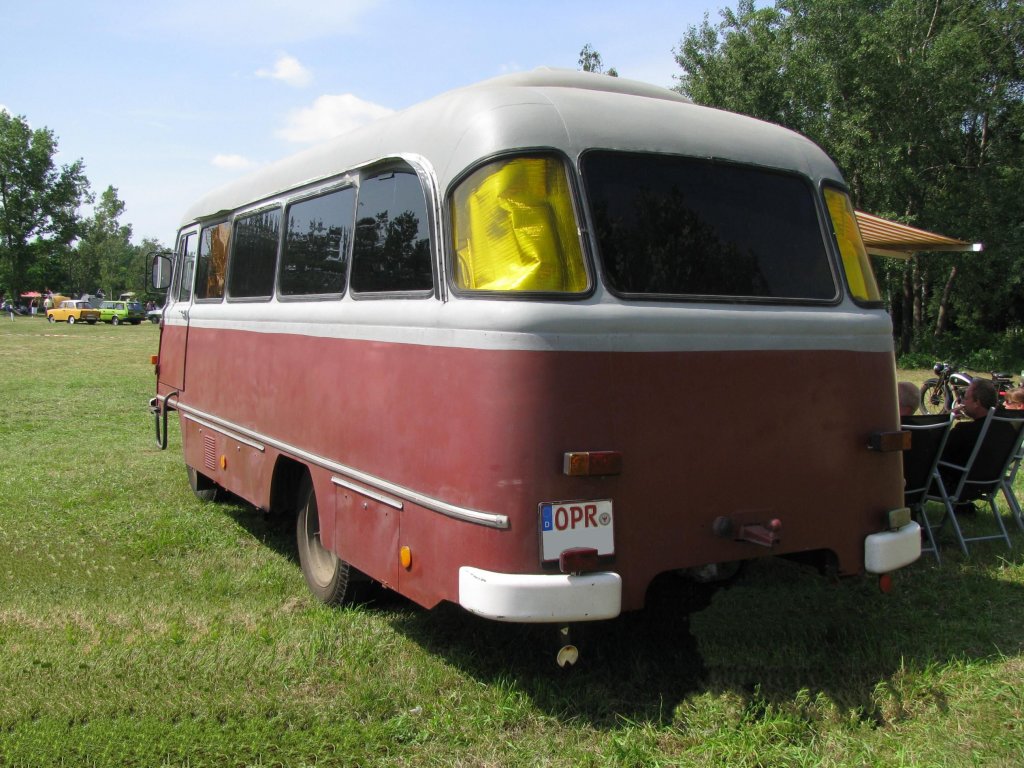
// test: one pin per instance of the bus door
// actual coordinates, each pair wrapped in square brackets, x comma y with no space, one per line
[174,329]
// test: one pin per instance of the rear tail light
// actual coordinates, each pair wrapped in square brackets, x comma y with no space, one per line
[592,463]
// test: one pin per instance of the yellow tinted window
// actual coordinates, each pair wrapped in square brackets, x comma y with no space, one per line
[515,229]
[859,274]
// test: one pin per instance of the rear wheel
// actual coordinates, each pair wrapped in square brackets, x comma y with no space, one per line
[115,320]
[936,397]
[50,319]
[71,319]
[203,487]
[330,578]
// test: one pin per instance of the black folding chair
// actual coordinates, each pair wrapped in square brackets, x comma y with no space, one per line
[927,439]
[1006,485]
[982,476]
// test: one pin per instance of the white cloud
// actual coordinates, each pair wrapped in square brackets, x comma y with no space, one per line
[329,116]
[289,70]
[232,162]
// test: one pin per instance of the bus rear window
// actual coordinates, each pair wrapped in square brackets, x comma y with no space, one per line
[670,226]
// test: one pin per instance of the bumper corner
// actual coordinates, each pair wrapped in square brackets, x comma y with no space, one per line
[890,550]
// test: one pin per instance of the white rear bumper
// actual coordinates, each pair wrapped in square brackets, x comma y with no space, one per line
[889,550]
[539,598]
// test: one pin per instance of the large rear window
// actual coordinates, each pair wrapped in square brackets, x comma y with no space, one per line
[669,227]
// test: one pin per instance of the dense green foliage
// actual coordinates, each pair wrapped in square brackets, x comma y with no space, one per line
[921,103]
[44,240]
[142,627]
[38,203]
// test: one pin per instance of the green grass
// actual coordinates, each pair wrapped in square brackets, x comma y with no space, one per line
[141,627]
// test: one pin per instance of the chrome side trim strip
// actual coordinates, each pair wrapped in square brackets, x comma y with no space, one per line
[235,431]
[367,492]
[229,433]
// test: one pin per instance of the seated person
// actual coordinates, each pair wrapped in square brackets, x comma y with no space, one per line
[1014,400]
[978,399]
[909,398]
[980,396]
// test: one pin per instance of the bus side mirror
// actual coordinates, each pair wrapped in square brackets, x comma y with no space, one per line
[160,274]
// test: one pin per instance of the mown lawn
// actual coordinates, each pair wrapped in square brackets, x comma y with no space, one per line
[139,626]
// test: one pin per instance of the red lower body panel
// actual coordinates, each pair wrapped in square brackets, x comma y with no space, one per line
[747,436]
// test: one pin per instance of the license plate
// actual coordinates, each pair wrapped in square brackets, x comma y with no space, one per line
[567,524]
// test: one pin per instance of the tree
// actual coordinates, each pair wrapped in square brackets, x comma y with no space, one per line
[38,203]
[920,104]
[590,61]
[104,257]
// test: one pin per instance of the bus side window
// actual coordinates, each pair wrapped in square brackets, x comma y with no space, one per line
[391,251]
[317,238]
[514,229]
[212,261]
[856,264]
[187,256]
[254,258]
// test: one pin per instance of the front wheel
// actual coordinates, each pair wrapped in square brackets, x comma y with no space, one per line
[936,397]
[203,487]
[71,320]
[330,578]
[115,320]
[49,319]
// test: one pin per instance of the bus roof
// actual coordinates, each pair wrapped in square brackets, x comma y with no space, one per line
[546,108]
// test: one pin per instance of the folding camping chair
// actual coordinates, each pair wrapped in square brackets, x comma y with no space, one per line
[982,476]
[928,438]
[1006,484]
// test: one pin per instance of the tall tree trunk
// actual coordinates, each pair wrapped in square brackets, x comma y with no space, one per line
[943,318]
[907,327]
[918,292]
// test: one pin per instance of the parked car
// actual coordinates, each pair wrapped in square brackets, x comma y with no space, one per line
[73,311]
[155,315]
[118,312]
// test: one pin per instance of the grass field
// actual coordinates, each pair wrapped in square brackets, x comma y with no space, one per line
[142,627]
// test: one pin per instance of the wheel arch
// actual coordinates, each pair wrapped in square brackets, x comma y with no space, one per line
[284,485]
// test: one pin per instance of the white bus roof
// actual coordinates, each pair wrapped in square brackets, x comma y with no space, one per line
[545,108]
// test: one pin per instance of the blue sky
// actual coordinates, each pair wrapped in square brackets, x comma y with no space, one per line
[166,100]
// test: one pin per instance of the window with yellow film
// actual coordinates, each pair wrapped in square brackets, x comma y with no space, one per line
[859,275]
[515,229]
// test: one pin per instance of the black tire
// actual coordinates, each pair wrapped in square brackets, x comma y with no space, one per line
[71,320]
[203,487]
[330,579]
[115,320]
[936,397]
[49,319]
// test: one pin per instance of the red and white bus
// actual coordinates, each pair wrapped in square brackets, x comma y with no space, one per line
[530,344]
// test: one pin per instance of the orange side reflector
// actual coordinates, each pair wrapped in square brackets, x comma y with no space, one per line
[154,359]
[591,463]
[405,557]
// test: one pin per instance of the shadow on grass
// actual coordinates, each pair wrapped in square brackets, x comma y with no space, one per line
[780,629]
[276,531]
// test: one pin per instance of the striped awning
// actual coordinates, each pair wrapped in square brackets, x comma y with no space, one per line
[898,241]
